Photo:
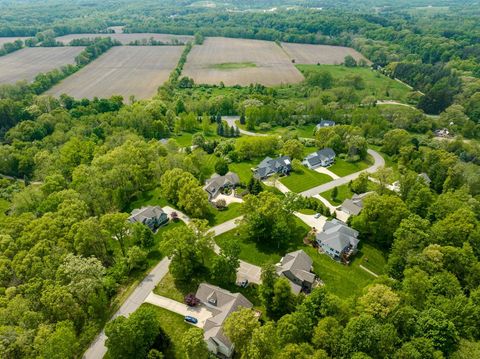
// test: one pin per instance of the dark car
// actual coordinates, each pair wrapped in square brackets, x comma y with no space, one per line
[191,320]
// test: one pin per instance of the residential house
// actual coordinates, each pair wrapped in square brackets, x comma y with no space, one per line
[216,184]
[354,205]
[325,123]
[221,303]
[324,158]
[395,186]
[269,166]
[297,268]
[338,240]
[151,216]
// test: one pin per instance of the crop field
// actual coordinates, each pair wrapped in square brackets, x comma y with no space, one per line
[4,40]
[308,54]
[240,62]
[126,39]
[123,70]
[27,63]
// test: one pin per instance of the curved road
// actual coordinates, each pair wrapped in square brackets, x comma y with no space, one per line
[231,120]
[378,162]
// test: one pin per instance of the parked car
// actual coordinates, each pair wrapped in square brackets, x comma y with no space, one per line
[191,320]
[318,215]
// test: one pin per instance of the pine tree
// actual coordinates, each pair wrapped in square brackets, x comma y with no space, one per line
[237,132]
[218,118]
[242,119]
[220,129]
[232,131]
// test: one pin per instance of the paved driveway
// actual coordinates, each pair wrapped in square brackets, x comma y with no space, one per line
[200,312]
[231,122]
[311,221]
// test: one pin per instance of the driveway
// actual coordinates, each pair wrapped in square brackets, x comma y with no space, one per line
[326,171]
[182,216]
[231,120]
[200,312]
[340,214]
[277,184]
[378,162]
[311,221]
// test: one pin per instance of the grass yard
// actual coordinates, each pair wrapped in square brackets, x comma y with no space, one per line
[174,327]
[343,193]
[150,198]
[344,168]
[376,84]
[299,182]
[305,131]
[232,211]
[243,169]
[233,65]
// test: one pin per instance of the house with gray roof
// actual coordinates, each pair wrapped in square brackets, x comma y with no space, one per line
[216,184]
[297,268]
[354,205]
[221,303]
[323,158]
[151,216]
[270,166]
[338,240]
[325,123]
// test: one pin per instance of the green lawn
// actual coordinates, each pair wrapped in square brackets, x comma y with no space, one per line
[343,193]
[232,65]
[243,169]
[299,182]
[344,168]
[376,84]
[300,131]
[233,211]
[174,327]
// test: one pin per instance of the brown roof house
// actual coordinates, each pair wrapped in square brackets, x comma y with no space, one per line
[221,303]
[217,183]
[355,205]
[297,268]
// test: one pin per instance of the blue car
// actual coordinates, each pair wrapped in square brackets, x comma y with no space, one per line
[191,320]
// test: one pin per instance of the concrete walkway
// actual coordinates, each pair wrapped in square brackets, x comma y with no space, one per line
[327,172]
[199,312]
[378,162]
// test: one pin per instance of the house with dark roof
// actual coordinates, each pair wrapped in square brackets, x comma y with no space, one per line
[221,303]
[270,166]
[338,240]
[297,268]
[354,205]
[216,184]
[151,216]
[325,123]
[323,158]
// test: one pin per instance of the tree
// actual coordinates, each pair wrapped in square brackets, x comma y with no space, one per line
[221,167]
[293,148]
[224,268]
[61,343]
[264,342]
[90,239]
[198,139]
[322,79]
[434,324]
[395,139]
[266,289]
[118,227]
[328,336]
[194,345]
[254,186]
[334,194]
[349,61]
[296,351]
[239,327]
[283,301]
[136,258]
[379,301]
[194,200]
[360,184]
[295,327]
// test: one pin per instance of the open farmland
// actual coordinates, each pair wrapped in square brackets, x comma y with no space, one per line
[240,62]
[123,70]
[27,63]
[4,40]
[126,39]
[319,54]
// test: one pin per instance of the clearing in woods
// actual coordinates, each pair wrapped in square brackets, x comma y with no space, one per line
[27,63]
[123,70]
[319,54]
[126,39]
[225,60]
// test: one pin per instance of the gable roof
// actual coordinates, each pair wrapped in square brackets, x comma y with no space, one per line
[299,264]
[324,155]
[325,123]
[216,182]
[337,235]
[226,303]
[145,213]
[355,204]
[269,166]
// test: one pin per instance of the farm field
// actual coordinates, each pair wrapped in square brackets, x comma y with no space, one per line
[308,54]
[240,62]
[4,40]
[126,39]
[123,70]
[27,63]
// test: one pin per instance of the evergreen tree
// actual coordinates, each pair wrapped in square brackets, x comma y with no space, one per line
[242,119]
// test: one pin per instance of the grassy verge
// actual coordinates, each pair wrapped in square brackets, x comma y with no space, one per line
[233,211]
[299,182]
[344,168]
[232,65]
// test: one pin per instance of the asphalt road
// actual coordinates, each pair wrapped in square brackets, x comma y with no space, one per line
[231,122]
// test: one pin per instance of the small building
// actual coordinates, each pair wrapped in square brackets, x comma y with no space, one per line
[323,158]
[269,166]
[297,268]
[354,205]
[325,123]
[443,132]
[151,216]
[221,303]
[338,240]
[216,184]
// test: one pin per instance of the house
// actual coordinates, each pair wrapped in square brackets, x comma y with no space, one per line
[151,216]
[217,184]
[395,186]
[221,303]
[338,240]
[354,205]
[325,123]
[324,158]
[444,132]
[297,268]
[269,166]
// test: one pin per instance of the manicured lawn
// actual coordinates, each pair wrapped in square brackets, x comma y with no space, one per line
[376,84]
[174,327]
[243,169]
[344,168]
[299,182]
[150,198]
[307,211]
[343,193]
[300,131]
[233,211]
